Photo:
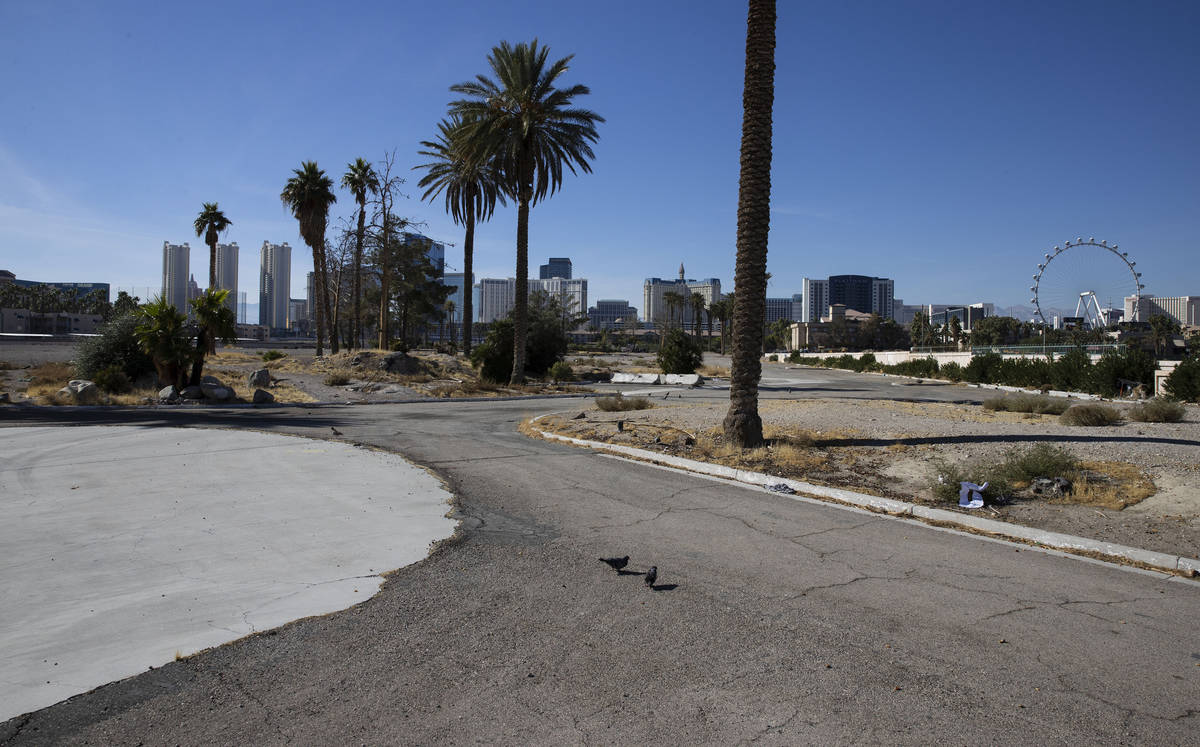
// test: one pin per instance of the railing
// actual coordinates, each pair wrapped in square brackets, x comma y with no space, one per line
[1098,348]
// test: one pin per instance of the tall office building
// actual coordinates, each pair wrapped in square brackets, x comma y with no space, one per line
[815,299]
[611,313]
[778,308]
[227,273]
[175,274]
[556,267]
[497,296]
[457,281]
[274,282]
[435,250]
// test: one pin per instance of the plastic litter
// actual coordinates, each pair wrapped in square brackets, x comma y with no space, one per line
[970,495]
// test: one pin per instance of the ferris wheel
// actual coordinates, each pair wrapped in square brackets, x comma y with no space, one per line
[1091,277]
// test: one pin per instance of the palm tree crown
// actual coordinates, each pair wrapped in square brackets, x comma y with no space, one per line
[210,223]
[471,185]
[360,178]
[308,194]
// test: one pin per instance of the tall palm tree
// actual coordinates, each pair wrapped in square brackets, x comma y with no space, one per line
[471,187]
[308,194]
[743,426]
[531,130]
[360,178]
[211,222]
[673,301]
[696,300]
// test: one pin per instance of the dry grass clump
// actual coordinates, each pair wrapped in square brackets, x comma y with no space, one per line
[714,372]
[1022,402]
[1157,410]
[784,455]
[337,379]
[1090,415]
[620,403]
[1112,485]
[6,366]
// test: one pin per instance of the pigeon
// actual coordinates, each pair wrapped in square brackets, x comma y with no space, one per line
[616,563]
[336,432]
[651,576]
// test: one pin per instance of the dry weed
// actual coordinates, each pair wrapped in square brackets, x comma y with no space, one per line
[1113,485]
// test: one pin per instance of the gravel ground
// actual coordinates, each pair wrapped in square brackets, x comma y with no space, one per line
[890,448]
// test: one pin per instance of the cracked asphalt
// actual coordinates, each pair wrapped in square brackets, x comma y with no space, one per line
[774,621]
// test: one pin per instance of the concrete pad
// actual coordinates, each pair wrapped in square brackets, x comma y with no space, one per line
[636,378]
[685,379]
[127,546]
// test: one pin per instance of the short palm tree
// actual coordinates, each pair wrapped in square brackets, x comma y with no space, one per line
[215,320]
[531,130]
[210,223]
[162,334]
[308,194]
[360,178]
[742,425]
[471,186]
[696,300]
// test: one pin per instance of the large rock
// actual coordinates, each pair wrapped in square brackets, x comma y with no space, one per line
[218,392]
[168,394]
[192,392]
[263,397]
[211,380]
[400,363]
[259,379]
[81,392]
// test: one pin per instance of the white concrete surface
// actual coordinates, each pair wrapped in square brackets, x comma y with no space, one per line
[125,546]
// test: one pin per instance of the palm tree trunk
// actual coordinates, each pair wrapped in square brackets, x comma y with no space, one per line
[356,321]
[212,264]
[743,426]
[323,280]
[468,310]
[521,295]
[318,311]
[385,280]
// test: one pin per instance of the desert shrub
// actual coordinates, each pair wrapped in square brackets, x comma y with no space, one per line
[1022,402]
[561,371]
[983,369]
[680,353]
[1021,465]
[1132,364]
[1025,372]
[1072,371]
[952,371]
[115,346]
[1090,415]
[946,476]
[925,368]
[1184,382]
[112,380]
[619,403]
[337,379]
[1157,410]
[273,355]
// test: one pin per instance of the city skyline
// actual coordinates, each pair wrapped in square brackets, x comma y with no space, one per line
[945,146]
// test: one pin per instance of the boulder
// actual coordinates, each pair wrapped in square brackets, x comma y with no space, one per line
[259,379]
[168,394]
[5,399]
[218,392]
[81,392]
[400,363]
[211,380]
[263,397]
[192,392]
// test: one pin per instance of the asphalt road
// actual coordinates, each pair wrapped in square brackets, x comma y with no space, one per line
[773,621]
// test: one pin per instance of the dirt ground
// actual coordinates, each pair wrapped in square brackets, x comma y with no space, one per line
[893,449]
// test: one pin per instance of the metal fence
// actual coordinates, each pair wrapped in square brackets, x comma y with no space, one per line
[1027,350]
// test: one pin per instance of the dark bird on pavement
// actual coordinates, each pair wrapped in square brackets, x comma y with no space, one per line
[616,563]
[651,575]
[336,432]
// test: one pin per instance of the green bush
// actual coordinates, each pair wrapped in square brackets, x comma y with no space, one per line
[1019,466]
[1039,460]
[1072,371]
[1132,364]
[112,380]
[561,371]
[947,476]
[620,403]
[545,345]
[680,353]
[273,355]
[1157,410]
[984,369]
[952,371]
[1184,382]
[923,368]
[1091,415]
[116,346]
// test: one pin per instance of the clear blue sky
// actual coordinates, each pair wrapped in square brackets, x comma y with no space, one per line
[942,144]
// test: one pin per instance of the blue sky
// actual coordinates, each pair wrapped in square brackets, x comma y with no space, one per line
[946,145]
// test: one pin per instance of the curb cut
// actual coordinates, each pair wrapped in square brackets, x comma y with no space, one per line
[1054,540]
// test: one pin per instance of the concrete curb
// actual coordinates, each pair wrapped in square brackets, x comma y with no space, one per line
[1065,542]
